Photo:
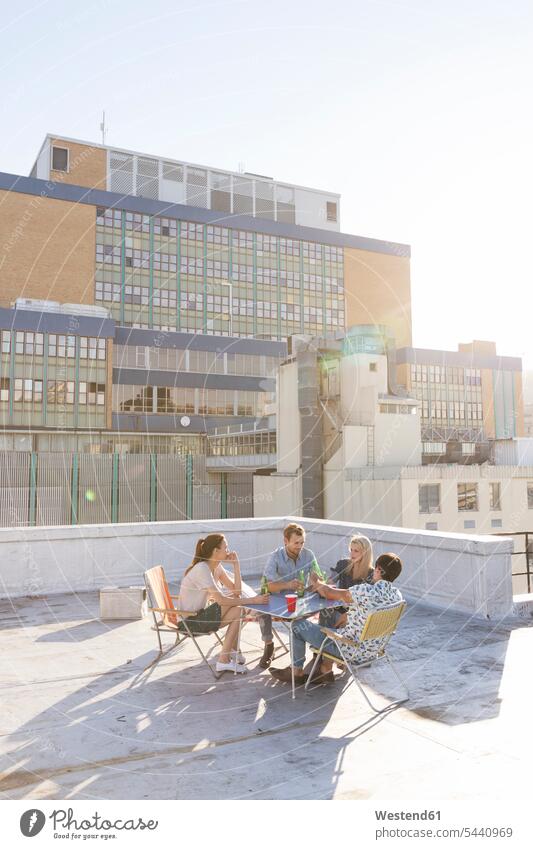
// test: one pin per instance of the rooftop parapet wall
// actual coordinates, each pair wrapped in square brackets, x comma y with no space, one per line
[451,571]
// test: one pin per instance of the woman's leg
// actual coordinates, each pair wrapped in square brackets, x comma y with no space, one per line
[230,617]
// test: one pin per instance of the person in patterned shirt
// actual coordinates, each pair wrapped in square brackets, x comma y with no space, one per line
[361,599]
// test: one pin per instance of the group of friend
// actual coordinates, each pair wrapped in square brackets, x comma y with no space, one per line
[213,599]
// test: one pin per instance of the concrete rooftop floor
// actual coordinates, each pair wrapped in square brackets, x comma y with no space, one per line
[80,719]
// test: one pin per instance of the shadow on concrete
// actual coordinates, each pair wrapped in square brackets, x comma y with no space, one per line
[102,723]
[174,732]
[83,632]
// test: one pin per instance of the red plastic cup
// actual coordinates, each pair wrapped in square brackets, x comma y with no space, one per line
[291,602]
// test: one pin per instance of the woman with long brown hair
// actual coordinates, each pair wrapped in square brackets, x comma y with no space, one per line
[206,580]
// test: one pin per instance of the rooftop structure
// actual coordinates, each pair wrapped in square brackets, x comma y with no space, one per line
[350,436]
[128,172]
[468,398]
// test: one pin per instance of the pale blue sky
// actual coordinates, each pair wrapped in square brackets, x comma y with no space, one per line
[417,112]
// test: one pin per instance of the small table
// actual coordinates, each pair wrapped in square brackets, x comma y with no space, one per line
[307,606]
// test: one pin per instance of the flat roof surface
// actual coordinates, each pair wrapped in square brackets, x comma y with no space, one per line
[84,718]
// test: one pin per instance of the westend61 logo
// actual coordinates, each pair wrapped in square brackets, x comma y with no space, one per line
[66,826]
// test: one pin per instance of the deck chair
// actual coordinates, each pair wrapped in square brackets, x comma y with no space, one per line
[381,623]
[160,601]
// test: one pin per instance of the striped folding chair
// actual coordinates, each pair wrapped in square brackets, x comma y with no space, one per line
[167,616]
[380,625]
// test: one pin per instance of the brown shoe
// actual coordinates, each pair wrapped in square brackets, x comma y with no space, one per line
[321,677]
[285,675]
[268,651]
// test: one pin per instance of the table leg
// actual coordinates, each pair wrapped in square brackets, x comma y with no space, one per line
[238,640]
[292,660]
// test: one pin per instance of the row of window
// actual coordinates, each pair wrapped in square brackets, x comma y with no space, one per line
[105,443]
[445,374]
[467,448]
[59,345]
[402,409]
[172,399]
[194,301]
[453,410]
[241,240]
[242,445]
[429,497]
[29,391]
[204,362]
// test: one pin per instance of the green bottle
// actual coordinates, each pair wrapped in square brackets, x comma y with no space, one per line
[317,570]
[301,578]
[264,586]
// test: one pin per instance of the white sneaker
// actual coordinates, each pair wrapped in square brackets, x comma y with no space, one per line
[232,666]
[238,656]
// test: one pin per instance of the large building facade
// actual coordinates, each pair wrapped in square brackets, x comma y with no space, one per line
[468,398]
[351,440]
[146,303]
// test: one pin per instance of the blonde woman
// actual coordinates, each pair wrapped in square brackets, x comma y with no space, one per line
[350,571]
[210,590]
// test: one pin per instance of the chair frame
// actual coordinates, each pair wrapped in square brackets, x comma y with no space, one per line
[160,625]
[382,622]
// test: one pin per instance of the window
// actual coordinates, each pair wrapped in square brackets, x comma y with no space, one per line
[4,389]
[530,496]
[6,342]
[495,496]
[27,391]
[96,394]
[59,159]
[467,496]
[468,448]
[429,498]
[434,447]
[331,210]
[432,526]
[373,366]
[495,523]
[469,523]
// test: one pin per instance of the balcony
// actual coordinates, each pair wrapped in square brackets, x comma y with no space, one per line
[84,719]
[244,462]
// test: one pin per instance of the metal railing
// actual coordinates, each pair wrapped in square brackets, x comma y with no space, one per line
[523,558]
[75,489]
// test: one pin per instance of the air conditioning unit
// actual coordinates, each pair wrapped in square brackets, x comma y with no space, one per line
[36,305]
[85,309]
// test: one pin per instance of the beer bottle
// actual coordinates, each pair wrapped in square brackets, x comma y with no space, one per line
[264,586]
[317,570]
[301,578]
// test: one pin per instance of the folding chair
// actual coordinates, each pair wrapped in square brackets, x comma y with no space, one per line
[380,624]
[161,601]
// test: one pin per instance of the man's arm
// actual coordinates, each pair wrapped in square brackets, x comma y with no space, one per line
[332,593]
[271,573]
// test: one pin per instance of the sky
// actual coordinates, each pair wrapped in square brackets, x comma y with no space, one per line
[418,113]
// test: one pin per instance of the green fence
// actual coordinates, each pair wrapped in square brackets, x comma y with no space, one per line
[79,489]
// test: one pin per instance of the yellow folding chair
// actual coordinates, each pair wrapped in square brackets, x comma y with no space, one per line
[381,624]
